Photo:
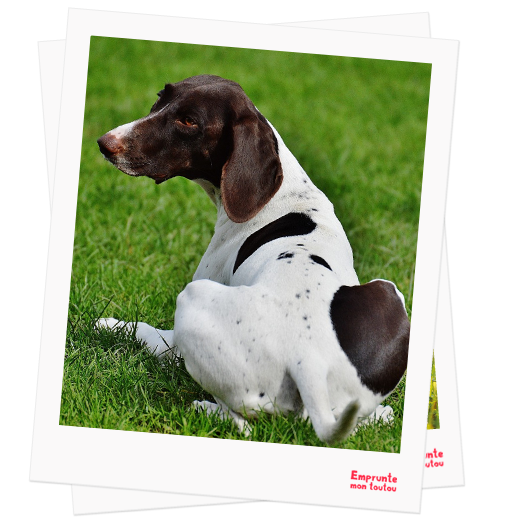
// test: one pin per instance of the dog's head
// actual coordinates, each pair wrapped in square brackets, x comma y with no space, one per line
[204,127]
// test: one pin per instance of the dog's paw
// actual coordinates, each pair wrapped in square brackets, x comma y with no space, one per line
[109,323]
[223,414]
[383,413]
[207,407]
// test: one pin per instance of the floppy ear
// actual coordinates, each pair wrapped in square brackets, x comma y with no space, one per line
[253,173]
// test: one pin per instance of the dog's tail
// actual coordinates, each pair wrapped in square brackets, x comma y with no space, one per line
[343,426]
[310,377]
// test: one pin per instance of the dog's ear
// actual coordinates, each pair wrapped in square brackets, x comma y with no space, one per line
[253,173]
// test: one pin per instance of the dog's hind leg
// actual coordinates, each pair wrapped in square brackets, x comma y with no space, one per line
[159,342]
[222,411]
[310,378]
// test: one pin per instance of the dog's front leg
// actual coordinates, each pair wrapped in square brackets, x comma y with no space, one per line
[159,342]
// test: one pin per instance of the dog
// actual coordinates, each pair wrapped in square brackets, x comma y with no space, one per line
[275,319]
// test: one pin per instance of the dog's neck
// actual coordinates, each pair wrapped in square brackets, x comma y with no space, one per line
[295,182]
[212,191]
[297,194]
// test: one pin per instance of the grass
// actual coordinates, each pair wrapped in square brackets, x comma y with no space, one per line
[357,127]
[433,417]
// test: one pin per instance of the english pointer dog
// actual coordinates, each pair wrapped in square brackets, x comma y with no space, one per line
[275,318]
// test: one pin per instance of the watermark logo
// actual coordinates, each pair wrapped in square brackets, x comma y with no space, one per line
[434,459]
[376,483]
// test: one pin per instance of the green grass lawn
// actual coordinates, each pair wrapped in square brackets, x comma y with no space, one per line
[357,126]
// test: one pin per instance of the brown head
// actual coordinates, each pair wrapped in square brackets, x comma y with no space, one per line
[203,127]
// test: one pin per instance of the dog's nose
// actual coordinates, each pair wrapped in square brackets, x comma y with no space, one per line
[110,145]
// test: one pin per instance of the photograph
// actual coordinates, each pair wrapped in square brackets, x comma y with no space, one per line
[245,244]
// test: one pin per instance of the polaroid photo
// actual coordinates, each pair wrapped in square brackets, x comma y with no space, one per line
[442,468]
[94,452]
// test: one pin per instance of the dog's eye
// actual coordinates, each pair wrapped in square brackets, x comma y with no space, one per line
[188,122]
